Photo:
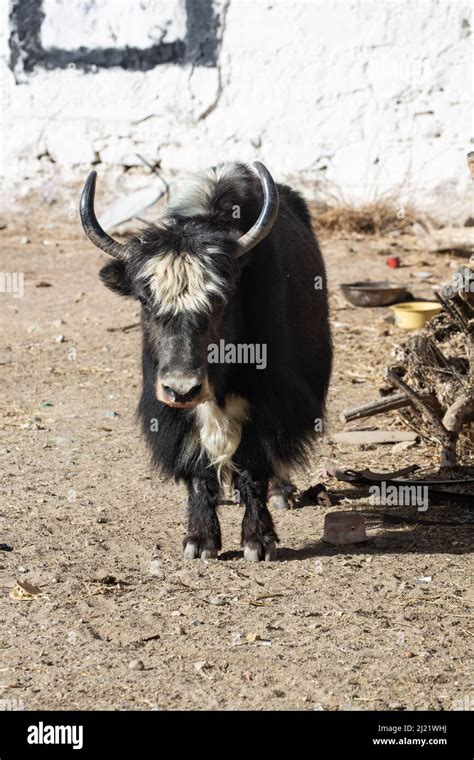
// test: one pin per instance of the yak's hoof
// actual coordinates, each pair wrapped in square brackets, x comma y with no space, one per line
[271,554]
[253,554]
[191,551]
[278,501]
[209,554]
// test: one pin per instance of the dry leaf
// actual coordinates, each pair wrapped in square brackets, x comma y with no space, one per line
[251,637]
[23,591]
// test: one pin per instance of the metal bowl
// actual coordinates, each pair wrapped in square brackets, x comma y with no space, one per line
[373,293]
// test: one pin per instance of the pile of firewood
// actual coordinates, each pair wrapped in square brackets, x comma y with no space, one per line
[431,383]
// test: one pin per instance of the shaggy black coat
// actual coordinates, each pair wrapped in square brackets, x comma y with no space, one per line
[275,295]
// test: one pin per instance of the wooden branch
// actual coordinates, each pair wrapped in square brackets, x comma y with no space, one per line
[457,318]
[462,410]
[387,404]
[428,351]
[444,436]
[458,413]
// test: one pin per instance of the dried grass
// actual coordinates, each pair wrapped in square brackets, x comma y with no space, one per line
[375,218]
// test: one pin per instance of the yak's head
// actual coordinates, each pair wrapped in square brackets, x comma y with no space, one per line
[184,271]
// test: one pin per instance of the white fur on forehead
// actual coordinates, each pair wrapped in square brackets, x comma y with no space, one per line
[194,193]
[182,282]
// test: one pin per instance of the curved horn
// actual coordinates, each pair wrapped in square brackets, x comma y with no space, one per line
[267,215]
[91,226]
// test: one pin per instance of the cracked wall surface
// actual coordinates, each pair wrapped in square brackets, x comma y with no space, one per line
[351,99]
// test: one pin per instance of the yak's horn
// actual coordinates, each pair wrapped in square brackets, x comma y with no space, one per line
[91,226]
[268,214]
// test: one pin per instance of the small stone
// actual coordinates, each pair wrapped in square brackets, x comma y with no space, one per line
[217,601]
[252,637]
[24,240]
[155,568]
[110,414]
[279,693]
[423,275]
[103,576]
[59,338]
[101,520]
[136,665]
[57,323]
[63,440]
[424,580]
[201,665]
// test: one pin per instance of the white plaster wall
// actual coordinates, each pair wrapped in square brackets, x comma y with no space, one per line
[347,97]
[109,23]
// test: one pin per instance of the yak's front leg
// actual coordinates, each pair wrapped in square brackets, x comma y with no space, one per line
[203,538]
[259,537]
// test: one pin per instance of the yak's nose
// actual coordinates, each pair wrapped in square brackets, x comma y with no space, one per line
[180,390]
[175,395]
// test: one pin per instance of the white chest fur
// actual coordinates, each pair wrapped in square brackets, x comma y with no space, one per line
[220,429]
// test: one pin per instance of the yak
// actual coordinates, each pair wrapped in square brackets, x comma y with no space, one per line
[232,262]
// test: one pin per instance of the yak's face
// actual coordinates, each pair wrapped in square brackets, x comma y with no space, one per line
[185,273]
[185,280]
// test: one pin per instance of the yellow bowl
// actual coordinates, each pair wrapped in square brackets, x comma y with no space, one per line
[415,314]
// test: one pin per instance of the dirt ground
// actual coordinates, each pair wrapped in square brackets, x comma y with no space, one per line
[122,622]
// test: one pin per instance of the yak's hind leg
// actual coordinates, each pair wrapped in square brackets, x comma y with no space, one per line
[203,538]
[259,537]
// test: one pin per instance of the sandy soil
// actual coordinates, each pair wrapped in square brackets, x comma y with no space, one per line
[100,534]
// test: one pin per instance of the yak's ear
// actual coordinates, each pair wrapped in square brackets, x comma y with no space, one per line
[114,276]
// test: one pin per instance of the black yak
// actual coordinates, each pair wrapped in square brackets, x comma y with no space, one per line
[230,273]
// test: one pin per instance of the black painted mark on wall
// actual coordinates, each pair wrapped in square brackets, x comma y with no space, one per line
[199,46]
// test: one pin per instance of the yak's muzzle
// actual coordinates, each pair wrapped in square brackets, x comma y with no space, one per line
[182,391]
